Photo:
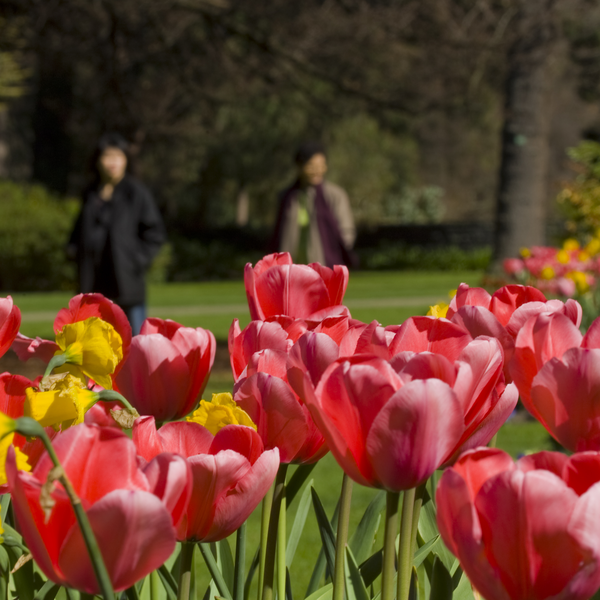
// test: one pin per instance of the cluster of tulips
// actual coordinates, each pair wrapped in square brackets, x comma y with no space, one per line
[569,271]
[101,511]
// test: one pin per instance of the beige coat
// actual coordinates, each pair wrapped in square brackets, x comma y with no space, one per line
[338,202]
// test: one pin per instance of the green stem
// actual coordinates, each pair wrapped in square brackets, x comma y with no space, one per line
[281,546]
[342,538]
[420,493]
[110,395]
[215,572]
[389,546]
[155,585]
[405,558]
[186,560]
[56,361]
[31,428]
[267,504]
[240,563]
[267,591]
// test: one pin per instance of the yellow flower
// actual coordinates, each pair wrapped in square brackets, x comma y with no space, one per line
[593,246]
[580,279]
[7,429]
[452,293]
[547,273]
[439,310]
[525,252]
[570,244]
[562,256]
[94,346]
[62,401]
[583,256]
[221,411]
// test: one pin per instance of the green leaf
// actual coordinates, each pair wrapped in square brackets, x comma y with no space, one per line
[4,504]
[423,551]
[324,593]
[325,530]
[294,485]
[355,586]
[24,579]
[361,542]
[48,591]
[298,526]
[225,562]
[441,582]
[428,530]
[168,582]
[370,569]
[463,591]
[423,584]
[251,572]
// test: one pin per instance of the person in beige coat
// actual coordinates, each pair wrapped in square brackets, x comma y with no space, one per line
[315,222]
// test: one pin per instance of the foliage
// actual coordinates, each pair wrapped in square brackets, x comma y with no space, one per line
[420,205]
[399,255]
[34,230]
[580,198]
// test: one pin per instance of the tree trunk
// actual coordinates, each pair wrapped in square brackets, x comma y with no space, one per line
[521,200]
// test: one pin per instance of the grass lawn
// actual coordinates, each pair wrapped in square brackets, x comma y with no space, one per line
[389,297]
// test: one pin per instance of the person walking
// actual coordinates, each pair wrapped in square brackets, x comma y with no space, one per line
[315,222]
[117,233]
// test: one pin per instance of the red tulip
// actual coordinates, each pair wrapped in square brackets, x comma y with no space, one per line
[133,511]
[391,424]
[10,321]
[525,530]
[276,286]
[231,473]
[168,367]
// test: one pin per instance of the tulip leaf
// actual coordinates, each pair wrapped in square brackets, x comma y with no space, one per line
[294,485]
[324,593]
[464,590]
[4,504]
[325,530]
[168,582]
[428,530]
[423,584]
[441,581]
[298,526]
[370,569]
[424,550]
[319,569]
[355,586]
[251,572]
[24,578]
[363,538]
[222,552]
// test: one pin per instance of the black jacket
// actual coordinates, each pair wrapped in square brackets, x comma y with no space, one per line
[115,241]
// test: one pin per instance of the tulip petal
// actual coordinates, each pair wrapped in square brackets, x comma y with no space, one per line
[412,434]
[135,534]
[507,299]
[26,348]
[10,321]
[244,440]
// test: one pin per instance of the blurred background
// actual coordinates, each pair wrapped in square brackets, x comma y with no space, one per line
[447,121]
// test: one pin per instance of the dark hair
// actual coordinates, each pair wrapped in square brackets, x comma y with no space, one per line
[108,140]
[307,150]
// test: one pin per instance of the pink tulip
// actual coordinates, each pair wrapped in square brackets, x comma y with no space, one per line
[10,321]
[231,473]
[391,424]
[168,367]
[525,530]
[276,286]
[133,510]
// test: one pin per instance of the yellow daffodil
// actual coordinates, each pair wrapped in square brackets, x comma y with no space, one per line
[94,346]
[570,244]
[7,429]
[593,246]
[221,411]
[583,256]
[547,273]
[439,310]
[61,402]
[562,256]
[525,252]
[581,281]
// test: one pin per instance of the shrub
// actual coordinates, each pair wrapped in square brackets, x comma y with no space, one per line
[34,230]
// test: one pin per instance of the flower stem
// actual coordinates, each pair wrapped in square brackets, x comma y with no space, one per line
[31,428]
[419,494]
[281,545]
[155,585]
[339,575]
[186,560]
[389,546]
[55,361]
[240,563]
[267,591]
[110,395]
[406,545]
[267,504]
[215,572]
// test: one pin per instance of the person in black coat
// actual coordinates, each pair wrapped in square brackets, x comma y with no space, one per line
[117,233]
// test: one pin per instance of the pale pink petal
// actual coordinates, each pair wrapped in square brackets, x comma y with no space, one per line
[26,348]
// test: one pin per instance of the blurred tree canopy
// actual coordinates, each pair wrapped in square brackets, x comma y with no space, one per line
[216,94]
